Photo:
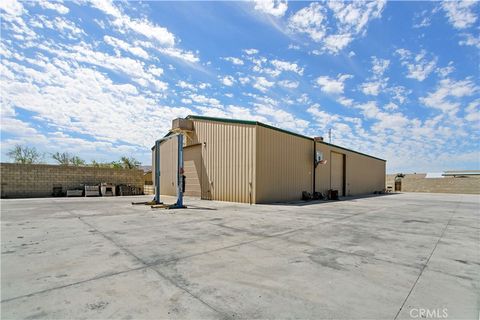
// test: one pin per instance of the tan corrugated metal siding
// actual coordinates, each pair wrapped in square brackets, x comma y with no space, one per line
[363,174]
[228,159]
[284,166]
[251,162]
[192,159]
[337,172]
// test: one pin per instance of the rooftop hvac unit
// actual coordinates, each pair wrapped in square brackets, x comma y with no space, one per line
[181,124]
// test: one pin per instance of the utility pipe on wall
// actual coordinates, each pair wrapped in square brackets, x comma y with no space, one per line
[180,176]
[157,172]
[314,165]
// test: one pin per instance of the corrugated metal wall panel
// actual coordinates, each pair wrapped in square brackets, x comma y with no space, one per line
[336,173]
[243,163]
[363,174]
[192,158]
[228,156]
[284,166]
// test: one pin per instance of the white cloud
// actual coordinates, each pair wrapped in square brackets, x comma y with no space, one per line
[244,80]
[68,96]
[262,84]
[472,112]
[204,85]
[185,55]
[185,85]
[115,42]
[56,6]
[333,85]
[376,82]
[460,14]
[349,19]
[143,27]
[390,106]
[336,42]
[372,88]
[322,118]
[419,66]
[156,71]
[17,127]
[345,101]
[228,81]
[275,66]
[281,118]
[287,66]
[150,30]
[445,97]
[470,40]
[399,93]
[234,60]
[289,84]
[385,120]
[354,16]
[379,66]
[250,51]
[123,65]
[422,19]
[275,8]
[64,25]
[163,38]
[310,20]
[12,7]
[206,101]
[60,24]
[445,71]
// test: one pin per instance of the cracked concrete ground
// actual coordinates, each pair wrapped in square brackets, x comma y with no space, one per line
[385,257]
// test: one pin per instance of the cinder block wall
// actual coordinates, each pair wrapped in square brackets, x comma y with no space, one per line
[418,183]
[37,180]
[149,189]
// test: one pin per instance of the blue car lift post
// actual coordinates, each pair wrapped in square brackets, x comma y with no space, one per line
[180,178]
[156,203]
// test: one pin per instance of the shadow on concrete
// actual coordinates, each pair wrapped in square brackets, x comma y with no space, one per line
[199,208]
[301,203]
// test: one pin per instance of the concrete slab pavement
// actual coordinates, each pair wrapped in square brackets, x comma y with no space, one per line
[365,258]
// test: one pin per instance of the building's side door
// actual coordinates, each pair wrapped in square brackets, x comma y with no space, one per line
[192,157]
[337,174]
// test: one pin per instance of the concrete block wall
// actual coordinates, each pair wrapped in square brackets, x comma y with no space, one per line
[418,183]
[149,189]
[38,180]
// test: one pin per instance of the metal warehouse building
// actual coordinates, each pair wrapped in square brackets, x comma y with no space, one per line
[251,162]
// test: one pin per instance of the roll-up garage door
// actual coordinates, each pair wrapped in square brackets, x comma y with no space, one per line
[337,172]
[192,157]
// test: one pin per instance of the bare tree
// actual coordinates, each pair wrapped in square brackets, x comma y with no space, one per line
[62,158]
[25,154]
[66,159]
[101,164]
[77,161]
[130,163]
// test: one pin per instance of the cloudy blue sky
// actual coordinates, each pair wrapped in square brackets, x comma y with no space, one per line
[102,79]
